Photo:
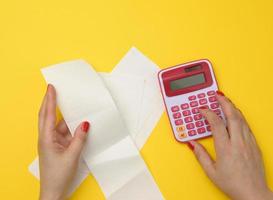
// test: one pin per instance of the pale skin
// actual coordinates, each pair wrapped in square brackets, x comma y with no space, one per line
[238,169]
[59,152]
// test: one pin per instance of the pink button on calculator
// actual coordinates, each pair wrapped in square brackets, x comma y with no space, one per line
[184,89]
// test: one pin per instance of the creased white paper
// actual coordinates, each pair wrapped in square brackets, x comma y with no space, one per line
[133,93]
[134,62]
[127,93]
[110,153]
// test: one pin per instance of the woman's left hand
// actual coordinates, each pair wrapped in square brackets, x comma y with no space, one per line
[59,152]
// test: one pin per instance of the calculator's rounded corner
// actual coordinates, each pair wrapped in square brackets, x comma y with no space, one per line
[206,60]
[159,74]
[183,141]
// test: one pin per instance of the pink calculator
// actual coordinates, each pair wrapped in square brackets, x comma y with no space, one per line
[185,88]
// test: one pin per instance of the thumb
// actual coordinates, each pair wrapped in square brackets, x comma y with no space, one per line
[79,138]
[203,158]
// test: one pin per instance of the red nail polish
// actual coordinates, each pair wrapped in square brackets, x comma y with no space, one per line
[202,107]
[85,126]
[190,145]
[220,93]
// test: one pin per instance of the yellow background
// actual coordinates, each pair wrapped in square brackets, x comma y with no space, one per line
[235,35]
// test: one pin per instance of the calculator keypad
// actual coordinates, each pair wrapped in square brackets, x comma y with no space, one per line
[189,122]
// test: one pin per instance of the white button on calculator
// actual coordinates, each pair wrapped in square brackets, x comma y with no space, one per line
[184,89]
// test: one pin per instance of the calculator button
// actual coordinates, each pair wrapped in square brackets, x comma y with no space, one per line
[212,99]
[201,130]
[210,93]
[199,124]
[176,115]
[197,117]
[185,106]
[194,103]
[178,122]
[182,135]
[201,95]
[214,105]
[205,107]
[180,128]
[218,112]
[208,128]
[186,112]
[190,126]
[175,108]
[195,110]
[206,122]
[193,97]
[203,101]
[188,119]
[192,132]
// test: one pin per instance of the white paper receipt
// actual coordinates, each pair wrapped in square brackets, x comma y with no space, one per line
[110,153]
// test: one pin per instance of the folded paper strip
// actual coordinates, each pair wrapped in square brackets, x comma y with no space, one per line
[135,92]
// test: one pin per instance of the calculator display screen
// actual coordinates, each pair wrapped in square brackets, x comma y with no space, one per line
[187,82]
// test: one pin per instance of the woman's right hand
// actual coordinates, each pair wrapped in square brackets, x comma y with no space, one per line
[238,169]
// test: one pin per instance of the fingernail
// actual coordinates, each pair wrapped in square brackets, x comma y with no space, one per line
[85,126]
[202,107]
[220,93]
[190,145]
[48,86]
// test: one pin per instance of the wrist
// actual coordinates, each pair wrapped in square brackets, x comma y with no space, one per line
[50,196]
[265,194]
